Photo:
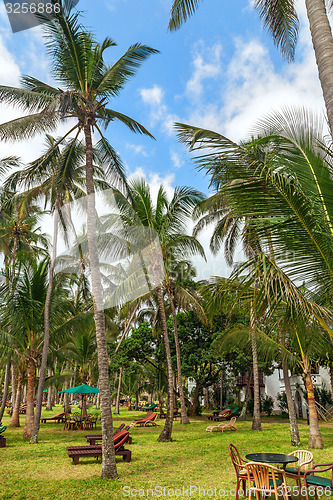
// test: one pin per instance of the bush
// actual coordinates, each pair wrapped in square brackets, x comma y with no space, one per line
[267,405]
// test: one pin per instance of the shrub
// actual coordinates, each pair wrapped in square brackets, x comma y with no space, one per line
[267,405]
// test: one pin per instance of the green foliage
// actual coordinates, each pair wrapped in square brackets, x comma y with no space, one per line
[283,403]
[267,405]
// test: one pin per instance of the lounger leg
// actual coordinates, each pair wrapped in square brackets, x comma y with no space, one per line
[128,456]
[76,459]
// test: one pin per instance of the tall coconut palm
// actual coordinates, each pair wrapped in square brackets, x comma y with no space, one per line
[281,20]
[169,220]
[58,177]
[282,181]
[23,318]
[85,84]
[229,229]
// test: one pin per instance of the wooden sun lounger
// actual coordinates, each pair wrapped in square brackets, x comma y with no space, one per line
[223,414]
[92,438]
[59,417]
[142,418]
[77,452]
[145,421]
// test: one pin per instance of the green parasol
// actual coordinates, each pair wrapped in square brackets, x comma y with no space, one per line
[81,389]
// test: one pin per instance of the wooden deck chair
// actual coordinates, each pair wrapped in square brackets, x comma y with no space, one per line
[223,427]
[92,438]
[145,421]
[265,479]
[77,452]
[296,470]
[311,480]
[58,417]
[223,414]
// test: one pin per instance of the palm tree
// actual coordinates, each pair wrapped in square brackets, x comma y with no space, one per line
[180,295]
[168,219]
[85,84]
[23,320]
[282,182]
[58,177]
[229,229]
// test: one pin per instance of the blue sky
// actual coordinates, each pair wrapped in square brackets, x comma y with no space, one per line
[219,71]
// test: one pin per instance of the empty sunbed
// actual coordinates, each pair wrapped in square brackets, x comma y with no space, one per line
[58,417]
[77,452]
[150,420]
[223,426]
[223,414]
[92,438]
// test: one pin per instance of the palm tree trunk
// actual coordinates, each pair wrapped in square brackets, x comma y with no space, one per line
[167,430]
[109,467]
[66,395]
[242,415]
[116,410]
[5,389]
[194,409]
[315,439]
[13,385]
[183,412]
[15,419]
[294,434]
[322,42]
[42,371]
[29,418]
[256,423]
[49,395]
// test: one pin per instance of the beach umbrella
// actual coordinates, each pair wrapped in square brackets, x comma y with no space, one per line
[81,389]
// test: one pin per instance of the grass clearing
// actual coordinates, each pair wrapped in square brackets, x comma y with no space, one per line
[194,457]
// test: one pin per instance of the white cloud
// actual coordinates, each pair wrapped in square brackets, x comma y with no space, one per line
[207,64]
[154,97]
[176,160]
[137,149]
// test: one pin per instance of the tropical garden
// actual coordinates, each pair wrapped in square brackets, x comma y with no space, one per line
[116,304]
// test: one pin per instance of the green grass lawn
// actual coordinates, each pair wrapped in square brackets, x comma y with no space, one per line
[194,458]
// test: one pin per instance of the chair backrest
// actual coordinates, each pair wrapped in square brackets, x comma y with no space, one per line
[122,437]
[233,421]
[235,458]
[119,429]
[260,475]
[151,417]
[227,411]
[305,460]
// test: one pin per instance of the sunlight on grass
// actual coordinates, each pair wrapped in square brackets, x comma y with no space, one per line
[194,457]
